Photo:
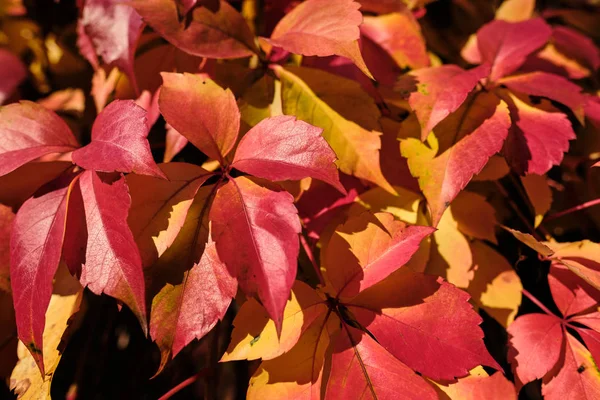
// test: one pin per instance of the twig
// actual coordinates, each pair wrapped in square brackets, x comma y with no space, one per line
[538,303]
[184,384]
[583,206]
[518,211]
[311,258]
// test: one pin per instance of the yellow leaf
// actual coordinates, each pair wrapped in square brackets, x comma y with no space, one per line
[348,116]
[296,374]
[475,216]
[495,169]
[478,385]
[540,195]
[26,379]
[495,287]
[451,256]
[254,335]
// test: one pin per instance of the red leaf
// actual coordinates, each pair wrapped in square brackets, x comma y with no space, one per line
[174,143]
[190,309]
[256,230]
[12,74]
[35,251]
[199,109]
[571,293]
[113,28]
[214,34]
[29,131]
[283,148]
[577,46]
[367,249]
[428,315]
[439,91]
[506,45]
[547,85]
[112,262]
[536,342]
[119,142]
[362,369]
[322,28]
[537,138]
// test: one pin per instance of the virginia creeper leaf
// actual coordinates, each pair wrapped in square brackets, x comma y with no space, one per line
[537,340]
[159,207]
[368,248]
[356,147]
[537,138]
[283,148]
[254,334]
[481,386]
[29,131]
[256,230]
[214,34]
[539,194]
[13,73]
[35,251]
[429,315]
[505,45]
[202,111]
[474,216]
[189,310]
[443,176]
[112,259]
[119,142]
[547,85]
[322,28]
[361,368]
[113,29]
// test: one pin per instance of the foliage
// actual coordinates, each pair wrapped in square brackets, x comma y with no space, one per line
[353,198]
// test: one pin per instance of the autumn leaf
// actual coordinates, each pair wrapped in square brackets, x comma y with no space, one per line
[215,34]
[255,228]
[29,131]
[478,130]
[209,118]
[13,73]
[282,148]
[539,194]
[159,207]
[501,44]
[190,309]
[119,142]
[35,252]
[112,259]
[357,148]
[322,28]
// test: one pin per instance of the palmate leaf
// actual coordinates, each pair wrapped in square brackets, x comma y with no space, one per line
[322,28]
[29,131]
[405,304]
[216,34]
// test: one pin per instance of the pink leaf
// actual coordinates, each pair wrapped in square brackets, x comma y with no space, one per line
[119,142]
[12,74]
[190,309]
[506,45]
[322,28]
[536,342]
[29,131]
[174,143]
[551,86]
[35,252]
[431,316]
[362,369]
[537,138]
[214,34]
[112,260]
[206,114]
[113,28]
[439,91]
[577,46]
[571,294]
[282,148]
[256,231]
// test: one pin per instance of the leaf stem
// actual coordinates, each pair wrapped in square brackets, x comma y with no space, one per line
[203,372]
[517,211]
[583,206]
[538,303]
[311,257]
